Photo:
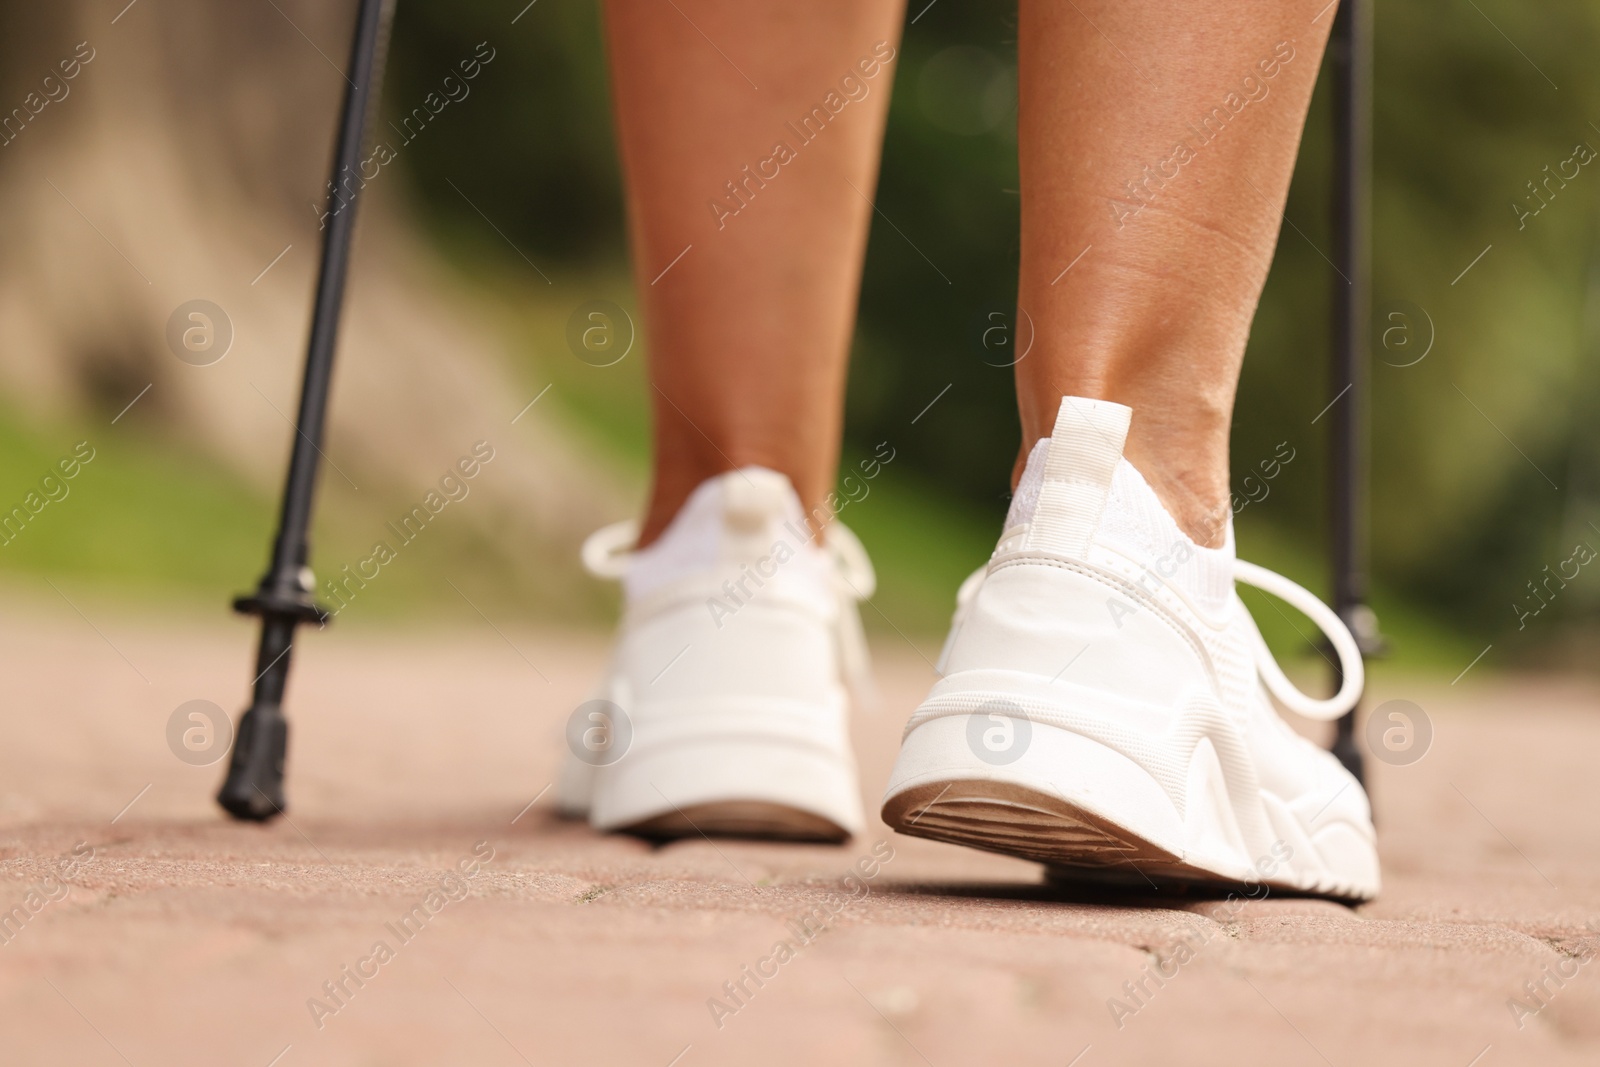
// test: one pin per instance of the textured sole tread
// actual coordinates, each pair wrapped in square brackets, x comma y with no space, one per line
[749,819]
[1074,843]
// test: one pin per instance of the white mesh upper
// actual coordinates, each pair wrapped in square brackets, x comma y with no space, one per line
[1137,525]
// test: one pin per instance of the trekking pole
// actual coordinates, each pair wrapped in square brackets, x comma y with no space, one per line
[1350,49]
[283,600]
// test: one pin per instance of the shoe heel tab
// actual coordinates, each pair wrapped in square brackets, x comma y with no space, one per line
[1085,447]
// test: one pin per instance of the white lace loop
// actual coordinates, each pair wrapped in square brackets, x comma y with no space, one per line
[1277,683]
[1344,643]
[606,551]
[855,580]
[850,560]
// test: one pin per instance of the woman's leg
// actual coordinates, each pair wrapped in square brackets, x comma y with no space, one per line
[1156,141]
[750,137]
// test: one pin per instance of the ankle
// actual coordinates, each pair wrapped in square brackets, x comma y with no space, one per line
[1195,496]
[673,486]
[1187,467]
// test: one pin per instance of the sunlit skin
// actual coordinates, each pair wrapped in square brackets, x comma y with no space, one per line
[749,330]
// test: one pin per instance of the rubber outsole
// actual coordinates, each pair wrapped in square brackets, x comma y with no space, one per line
[1076,845]
[748,819]
[754,783]
[1089,814]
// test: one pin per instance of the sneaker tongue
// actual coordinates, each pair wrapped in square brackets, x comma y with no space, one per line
[1075,475]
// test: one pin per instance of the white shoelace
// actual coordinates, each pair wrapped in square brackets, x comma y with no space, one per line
[1351,669]
[607,552]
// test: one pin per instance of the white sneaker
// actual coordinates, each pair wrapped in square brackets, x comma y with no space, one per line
[724,709]
[1104,703]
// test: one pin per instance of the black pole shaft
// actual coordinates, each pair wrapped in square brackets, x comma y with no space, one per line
[298,492]
[254,786]
[1350,49]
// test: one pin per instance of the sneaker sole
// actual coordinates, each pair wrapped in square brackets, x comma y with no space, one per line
[749,819]
[1089,813]
[760,787]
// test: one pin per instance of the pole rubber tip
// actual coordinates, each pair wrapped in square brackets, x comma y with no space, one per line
[253,789]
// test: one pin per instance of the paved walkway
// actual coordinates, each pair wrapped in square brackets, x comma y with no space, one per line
[171,937]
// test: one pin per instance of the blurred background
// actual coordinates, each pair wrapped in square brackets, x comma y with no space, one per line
[185,160]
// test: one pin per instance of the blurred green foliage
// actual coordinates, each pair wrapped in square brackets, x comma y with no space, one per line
[1485,464]
[1466,443]
[135,493]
